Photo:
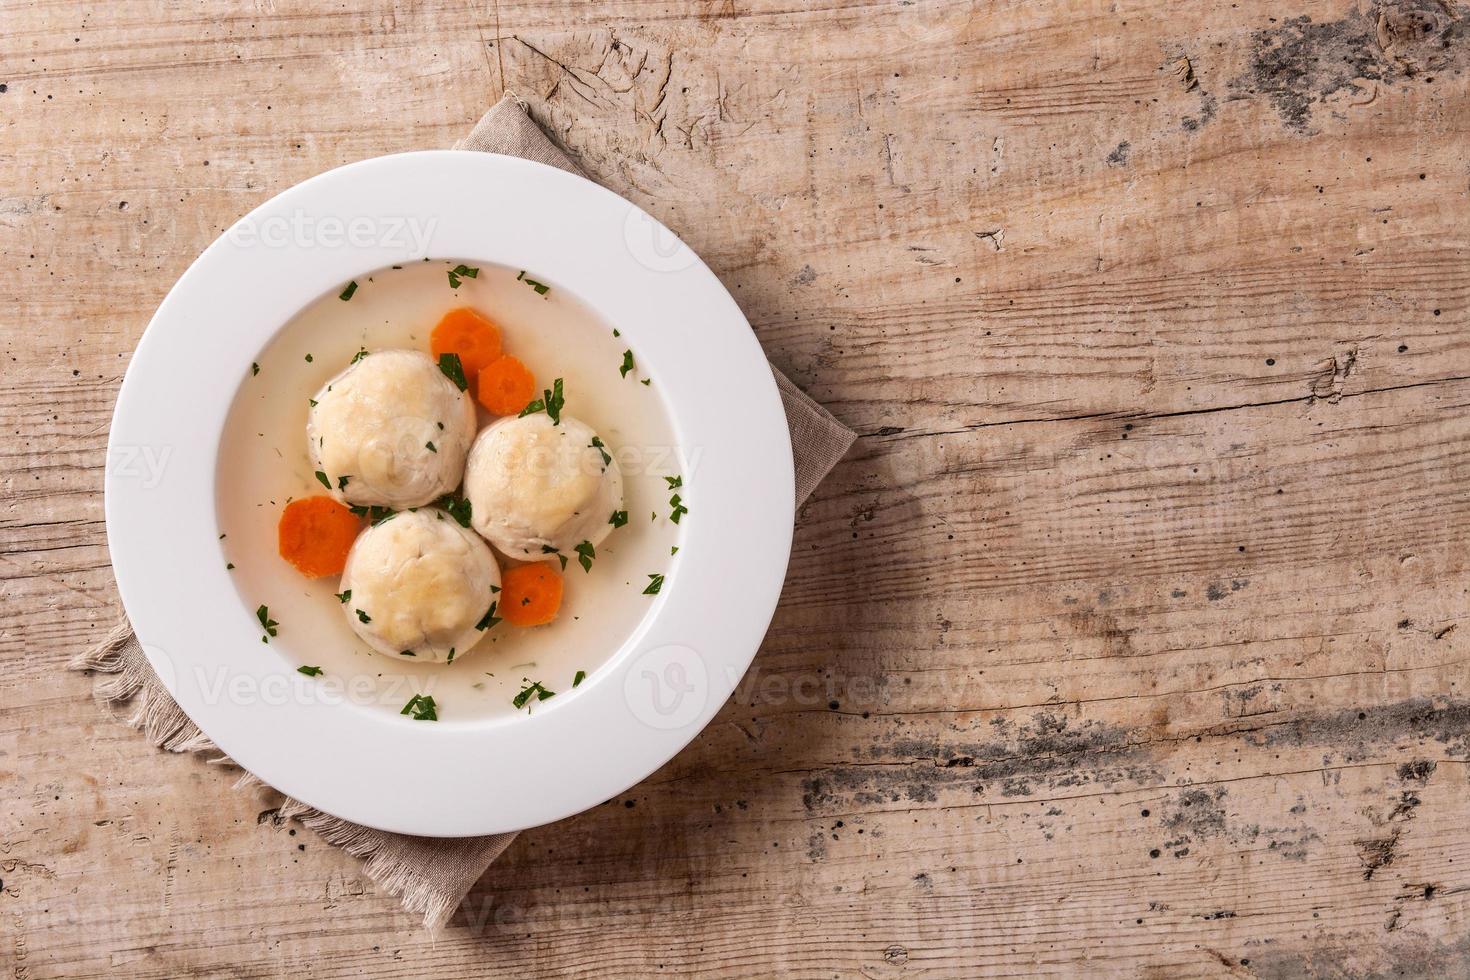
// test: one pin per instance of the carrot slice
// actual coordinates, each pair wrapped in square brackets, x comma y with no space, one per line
[469,334]
[530,595]
[506,386]
[315,534]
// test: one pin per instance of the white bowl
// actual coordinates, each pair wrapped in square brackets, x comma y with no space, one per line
[449,778]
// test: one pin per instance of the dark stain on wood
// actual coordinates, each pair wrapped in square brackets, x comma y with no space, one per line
[1300,64]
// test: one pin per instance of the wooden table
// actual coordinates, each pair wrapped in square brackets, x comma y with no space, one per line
[1128,640]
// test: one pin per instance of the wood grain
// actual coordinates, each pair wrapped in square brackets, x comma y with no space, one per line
[1130,639]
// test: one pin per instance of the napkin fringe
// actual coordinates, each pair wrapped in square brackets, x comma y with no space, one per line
[123,675]
[130,678]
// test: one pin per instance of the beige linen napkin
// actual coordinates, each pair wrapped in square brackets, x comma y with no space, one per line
[430,875]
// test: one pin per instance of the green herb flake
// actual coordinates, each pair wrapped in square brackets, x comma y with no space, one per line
[311,402]
[673,551]
[346,294]
[421,707]
[453,369]
[450,658]
[229,566]
[646,382]
[489,619]
[585,553]
[617,332]
[579,678]
[675,501]
[343,596]
[457,508]
[553,400]
[266,623]
[430,447]
[361,353]
[541,288]
[309,671]
[627,364]
[363,617]
[534,689]
[254,369]
[322,479]
[342,483]
[462,272]
[618,518]
[597,445]
[407,653]
[656,582]
[308,358]
[532,408]
[563,559]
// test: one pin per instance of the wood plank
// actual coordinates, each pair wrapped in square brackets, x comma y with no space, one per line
[1129,641]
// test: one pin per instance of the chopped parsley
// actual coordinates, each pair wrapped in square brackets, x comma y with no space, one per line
[361,353]
[673,551]
[343,596]
[554,401]
[346,294]
[341,483]
[597,445]
[430,447]
[407,653]
[627,363]
[421,707]
[229,566]
[462,272]
[489,619]
[311,402]
[532,407]
[309,671]
[308,358]
[254,369]
[266,623]
[322,479]
[373,513]
[656,582]
[579,678]
[450,660]
[618,518]
[585,553]
[363,617]
[617,332]
[541,288]
[453,369]
[457,508]
[679,510]
[646,382]
[534,689]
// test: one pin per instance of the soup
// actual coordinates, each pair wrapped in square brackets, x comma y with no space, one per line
[606,591]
